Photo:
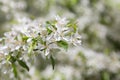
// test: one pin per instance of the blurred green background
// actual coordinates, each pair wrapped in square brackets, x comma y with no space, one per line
[98,58]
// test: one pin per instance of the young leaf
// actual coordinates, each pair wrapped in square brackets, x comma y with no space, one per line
[14,70]
[62,44]
[73,26]
[40,40]
[23,64]
[51,24]
[52,61]
[49,31]
[25,38]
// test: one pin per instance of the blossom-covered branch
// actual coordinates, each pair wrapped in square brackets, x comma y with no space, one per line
[35,37]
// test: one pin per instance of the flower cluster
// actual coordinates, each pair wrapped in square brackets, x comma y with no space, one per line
[34,37]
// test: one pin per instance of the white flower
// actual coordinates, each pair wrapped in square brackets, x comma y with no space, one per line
[47,51]
[74,39]
[4,50]
[61,21]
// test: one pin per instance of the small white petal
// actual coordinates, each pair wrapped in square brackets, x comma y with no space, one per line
[47,52]
[29,40]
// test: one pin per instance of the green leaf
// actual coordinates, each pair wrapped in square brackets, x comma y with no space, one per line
[52,61]
[14,70]
[40,40]
[72,25]
[51,24]
[75,27]
[62,44]
[23,64]
[49,31]
[8,57]
[25,38]
[12,59]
